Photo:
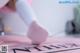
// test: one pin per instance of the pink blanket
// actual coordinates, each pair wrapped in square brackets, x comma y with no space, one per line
[21,44]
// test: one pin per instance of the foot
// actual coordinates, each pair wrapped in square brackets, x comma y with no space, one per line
[37,33]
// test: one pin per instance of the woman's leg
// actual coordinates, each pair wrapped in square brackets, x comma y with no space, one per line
[36,32]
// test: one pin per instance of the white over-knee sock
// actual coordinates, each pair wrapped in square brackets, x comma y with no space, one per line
[25,11]
[36,32]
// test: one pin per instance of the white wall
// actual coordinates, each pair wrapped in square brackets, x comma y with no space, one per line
[52,14]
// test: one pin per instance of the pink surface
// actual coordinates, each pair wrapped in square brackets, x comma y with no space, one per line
[22,41]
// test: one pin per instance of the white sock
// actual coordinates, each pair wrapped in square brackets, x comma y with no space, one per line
[25,11]
[36,32]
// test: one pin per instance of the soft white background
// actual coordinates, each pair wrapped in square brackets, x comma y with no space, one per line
[52,14]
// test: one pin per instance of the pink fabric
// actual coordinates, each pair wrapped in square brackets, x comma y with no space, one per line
[21,40]
[7,10]
[14,39]
[30,1]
